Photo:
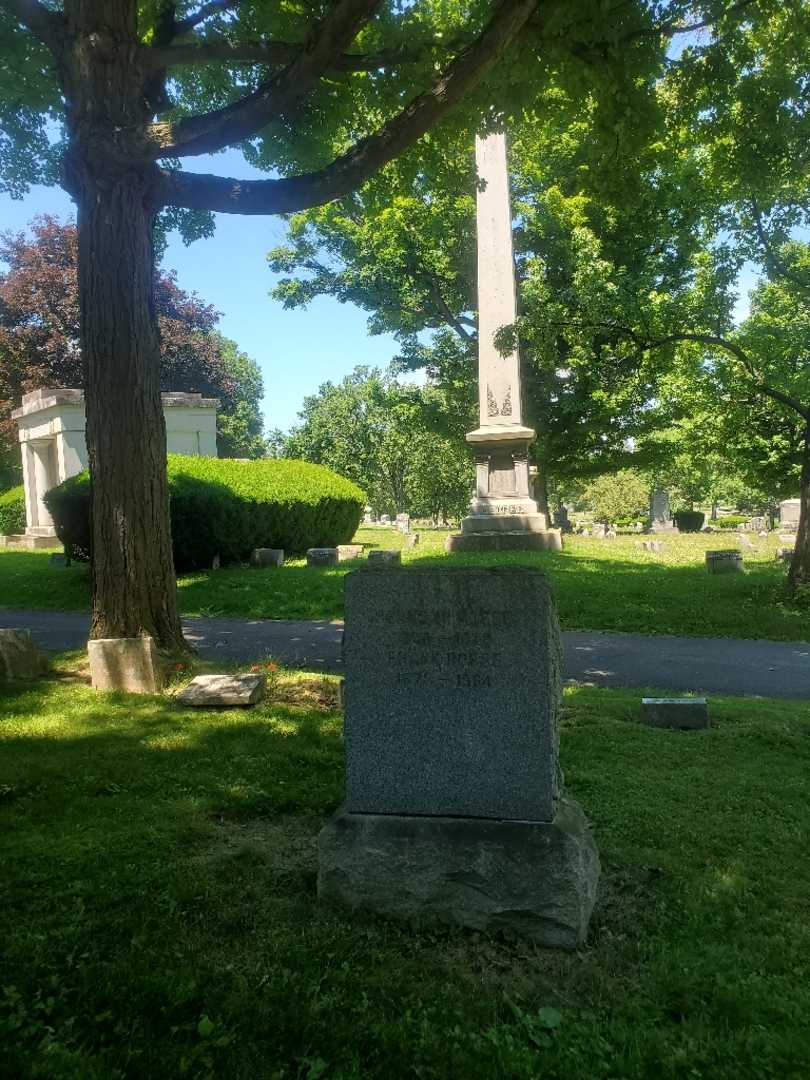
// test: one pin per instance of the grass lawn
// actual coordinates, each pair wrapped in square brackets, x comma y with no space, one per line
[600,585]
[159,918]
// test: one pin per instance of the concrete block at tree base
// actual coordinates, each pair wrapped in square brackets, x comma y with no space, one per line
[724,562]
[784,554]
[384,558]
[322,557]
[216,690]
[131,664]
[20,657]
[533,879]
[550,540]
[680,713]
[261,557]
[347,552]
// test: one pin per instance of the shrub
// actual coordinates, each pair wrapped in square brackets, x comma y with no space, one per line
[12,511]
[731,521]
[689,520]
[227,508]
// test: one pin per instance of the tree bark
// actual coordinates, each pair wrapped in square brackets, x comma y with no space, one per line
[134,590]
[799,573]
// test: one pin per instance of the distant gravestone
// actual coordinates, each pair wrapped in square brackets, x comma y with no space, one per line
[680,713]
[385,519]
[561,519]
[724,562]
[263,557]
[652,545]
[599,531]
[789,514]
[784,554]
[403,523]
[455,809]
[322,557]
[347,552]
[381,558]
[223,690]
[411,540]
[660,512]
[758,524]
[20,657]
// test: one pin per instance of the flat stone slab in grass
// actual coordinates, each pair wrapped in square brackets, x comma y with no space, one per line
[682,713]
[130,664]
[208,690]
[535,879]
[20,657]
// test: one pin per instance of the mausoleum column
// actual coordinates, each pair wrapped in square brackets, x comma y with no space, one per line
[42,456]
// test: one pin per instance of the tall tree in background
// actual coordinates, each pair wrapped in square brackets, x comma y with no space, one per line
[40,340]
[390,439]
[325,94]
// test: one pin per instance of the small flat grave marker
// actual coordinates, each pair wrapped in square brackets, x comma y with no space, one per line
[681,713]
[384,558]
[211,690]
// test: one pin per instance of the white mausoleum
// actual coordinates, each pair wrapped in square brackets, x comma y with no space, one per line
[52,441]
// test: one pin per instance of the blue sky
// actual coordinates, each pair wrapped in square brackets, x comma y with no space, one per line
[297,350]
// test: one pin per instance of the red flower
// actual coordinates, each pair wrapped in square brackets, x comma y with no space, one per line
[272,667]
[179,667]
[255,667]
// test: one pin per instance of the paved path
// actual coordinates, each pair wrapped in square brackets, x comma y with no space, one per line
[664,662]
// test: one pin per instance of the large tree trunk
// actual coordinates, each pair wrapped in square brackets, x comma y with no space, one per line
[134,589]
[799,573]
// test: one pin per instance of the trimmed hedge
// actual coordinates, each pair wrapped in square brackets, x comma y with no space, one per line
[731,521]
[12,511]
[689,520]
[224,507]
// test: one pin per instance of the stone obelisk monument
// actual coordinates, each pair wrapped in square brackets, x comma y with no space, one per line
[503,513]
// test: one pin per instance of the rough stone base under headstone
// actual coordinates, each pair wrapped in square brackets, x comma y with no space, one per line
[550,540]
[531,879]
[131,664]
[215,690]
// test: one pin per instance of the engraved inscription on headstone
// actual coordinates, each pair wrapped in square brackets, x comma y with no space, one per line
[452,693]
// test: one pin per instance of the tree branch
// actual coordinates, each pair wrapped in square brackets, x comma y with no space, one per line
[351,170]
[774,262]
[280,96]
[740,354]
[46,25]
[215,7]
[277,53]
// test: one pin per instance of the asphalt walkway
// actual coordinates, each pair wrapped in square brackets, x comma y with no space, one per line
[663,662]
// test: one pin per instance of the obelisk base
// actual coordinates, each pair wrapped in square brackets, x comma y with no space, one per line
[503,515]
[548,540]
